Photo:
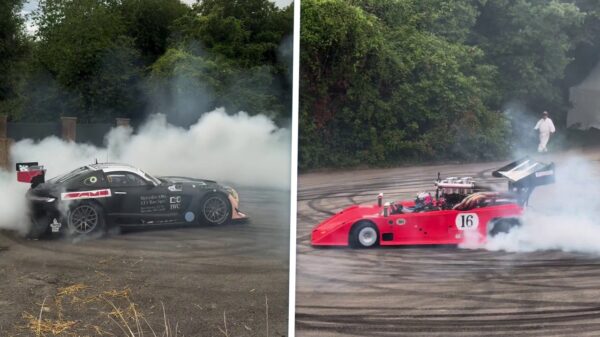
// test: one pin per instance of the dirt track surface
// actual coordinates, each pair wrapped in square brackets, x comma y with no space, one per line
[197,273]
[433,291]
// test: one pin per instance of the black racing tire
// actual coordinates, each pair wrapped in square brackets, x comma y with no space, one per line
[215,209]
[364,234]
[502,225]
[85,219]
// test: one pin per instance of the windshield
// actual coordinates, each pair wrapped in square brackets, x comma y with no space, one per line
[151,178]
[66,177]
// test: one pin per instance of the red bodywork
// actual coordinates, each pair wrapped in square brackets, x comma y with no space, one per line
[422,228]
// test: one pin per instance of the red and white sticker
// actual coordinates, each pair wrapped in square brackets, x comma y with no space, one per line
[105,193]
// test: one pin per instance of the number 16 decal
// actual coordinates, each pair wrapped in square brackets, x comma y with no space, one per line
[467,221]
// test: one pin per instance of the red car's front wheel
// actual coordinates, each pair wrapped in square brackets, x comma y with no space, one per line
[364,235]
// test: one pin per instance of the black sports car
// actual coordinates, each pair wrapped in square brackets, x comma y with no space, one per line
[94,197]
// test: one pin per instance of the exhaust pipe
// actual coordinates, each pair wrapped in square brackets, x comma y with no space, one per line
[386,208]
[380,199]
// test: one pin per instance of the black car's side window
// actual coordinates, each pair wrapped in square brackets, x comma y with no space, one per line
[124,179]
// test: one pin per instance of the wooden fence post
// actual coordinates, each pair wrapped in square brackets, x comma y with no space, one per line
[5,144]
[122,122]
[69,128]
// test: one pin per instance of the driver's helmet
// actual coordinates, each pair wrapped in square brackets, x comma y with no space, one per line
[424,199]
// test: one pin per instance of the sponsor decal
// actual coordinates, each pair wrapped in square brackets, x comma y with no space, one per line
[23,167]
[55,225]
[400,222]
[467,221]
[105,193]
[90,181]
[175,188]
[544,173]
[155,203]
[175,202]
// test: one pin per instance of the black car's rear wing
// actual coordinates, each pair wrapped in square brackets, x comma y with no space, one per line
[31,172]
[524,175]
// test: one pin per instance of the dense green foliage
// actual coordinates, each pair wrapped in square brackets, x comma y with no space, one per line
[13,48]
[97,60]
[230,54]
[385,82]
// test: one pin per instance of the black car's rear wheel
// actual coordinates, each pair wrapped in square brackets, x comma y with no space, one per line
[85,219]
[215,209]
[364,235]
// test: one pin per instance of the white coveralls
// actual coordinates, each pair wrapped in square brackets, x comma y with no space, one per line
[546,127]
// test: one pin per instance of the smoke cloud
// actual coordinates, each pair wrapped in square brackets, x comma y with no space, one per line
[13,208]
[239,150]
[563,216]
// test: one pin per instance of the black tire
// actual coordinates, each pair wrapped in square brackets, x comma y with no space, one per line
[364,234]
[502,225]
[85,219]
[215,209]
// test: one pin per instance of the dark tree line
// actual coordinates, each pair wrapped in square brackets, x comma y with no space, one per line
[386,82]
[97,60]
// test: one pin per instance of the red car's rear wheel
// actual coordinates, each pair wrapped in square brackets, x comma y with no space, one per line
[502,225]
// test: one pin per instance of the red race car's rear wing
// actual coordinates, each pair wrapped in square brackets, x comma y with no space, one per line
[31,172]
[524,175]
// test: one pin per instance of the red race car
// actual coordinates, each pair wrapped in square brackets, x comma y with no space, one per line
[459,211]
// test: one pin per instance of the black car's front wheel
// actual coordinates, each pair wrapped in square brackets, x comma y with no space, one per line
[215,209]
[85,219]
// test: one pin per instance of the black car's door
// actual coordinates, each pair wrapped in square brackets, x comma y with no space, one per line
[138,201]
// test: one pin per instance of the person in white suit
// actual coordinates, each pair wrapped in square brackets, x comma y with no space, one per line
[545,127]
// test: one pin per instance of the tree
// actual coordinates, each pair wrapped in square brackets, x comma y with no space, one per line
[243,42]
[149,23]
[91,64]
[380,86]
[13,48]
[529,42]
[247,31]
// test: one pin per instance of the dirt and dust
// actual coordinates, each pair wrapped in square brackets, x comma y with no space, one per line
[211,281]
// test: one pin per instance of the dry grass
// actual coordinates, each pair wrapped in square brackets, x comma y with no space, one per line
[43,327]
[71,290]
[111,309]
[224,329]
[79,310]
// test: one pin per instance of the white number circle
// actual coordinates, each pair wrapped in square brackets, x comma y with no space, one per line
[466,221]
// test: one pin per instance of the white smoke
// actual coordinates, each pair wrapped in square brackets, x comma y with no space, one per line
[563,216]
[239,149]
[13,208]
